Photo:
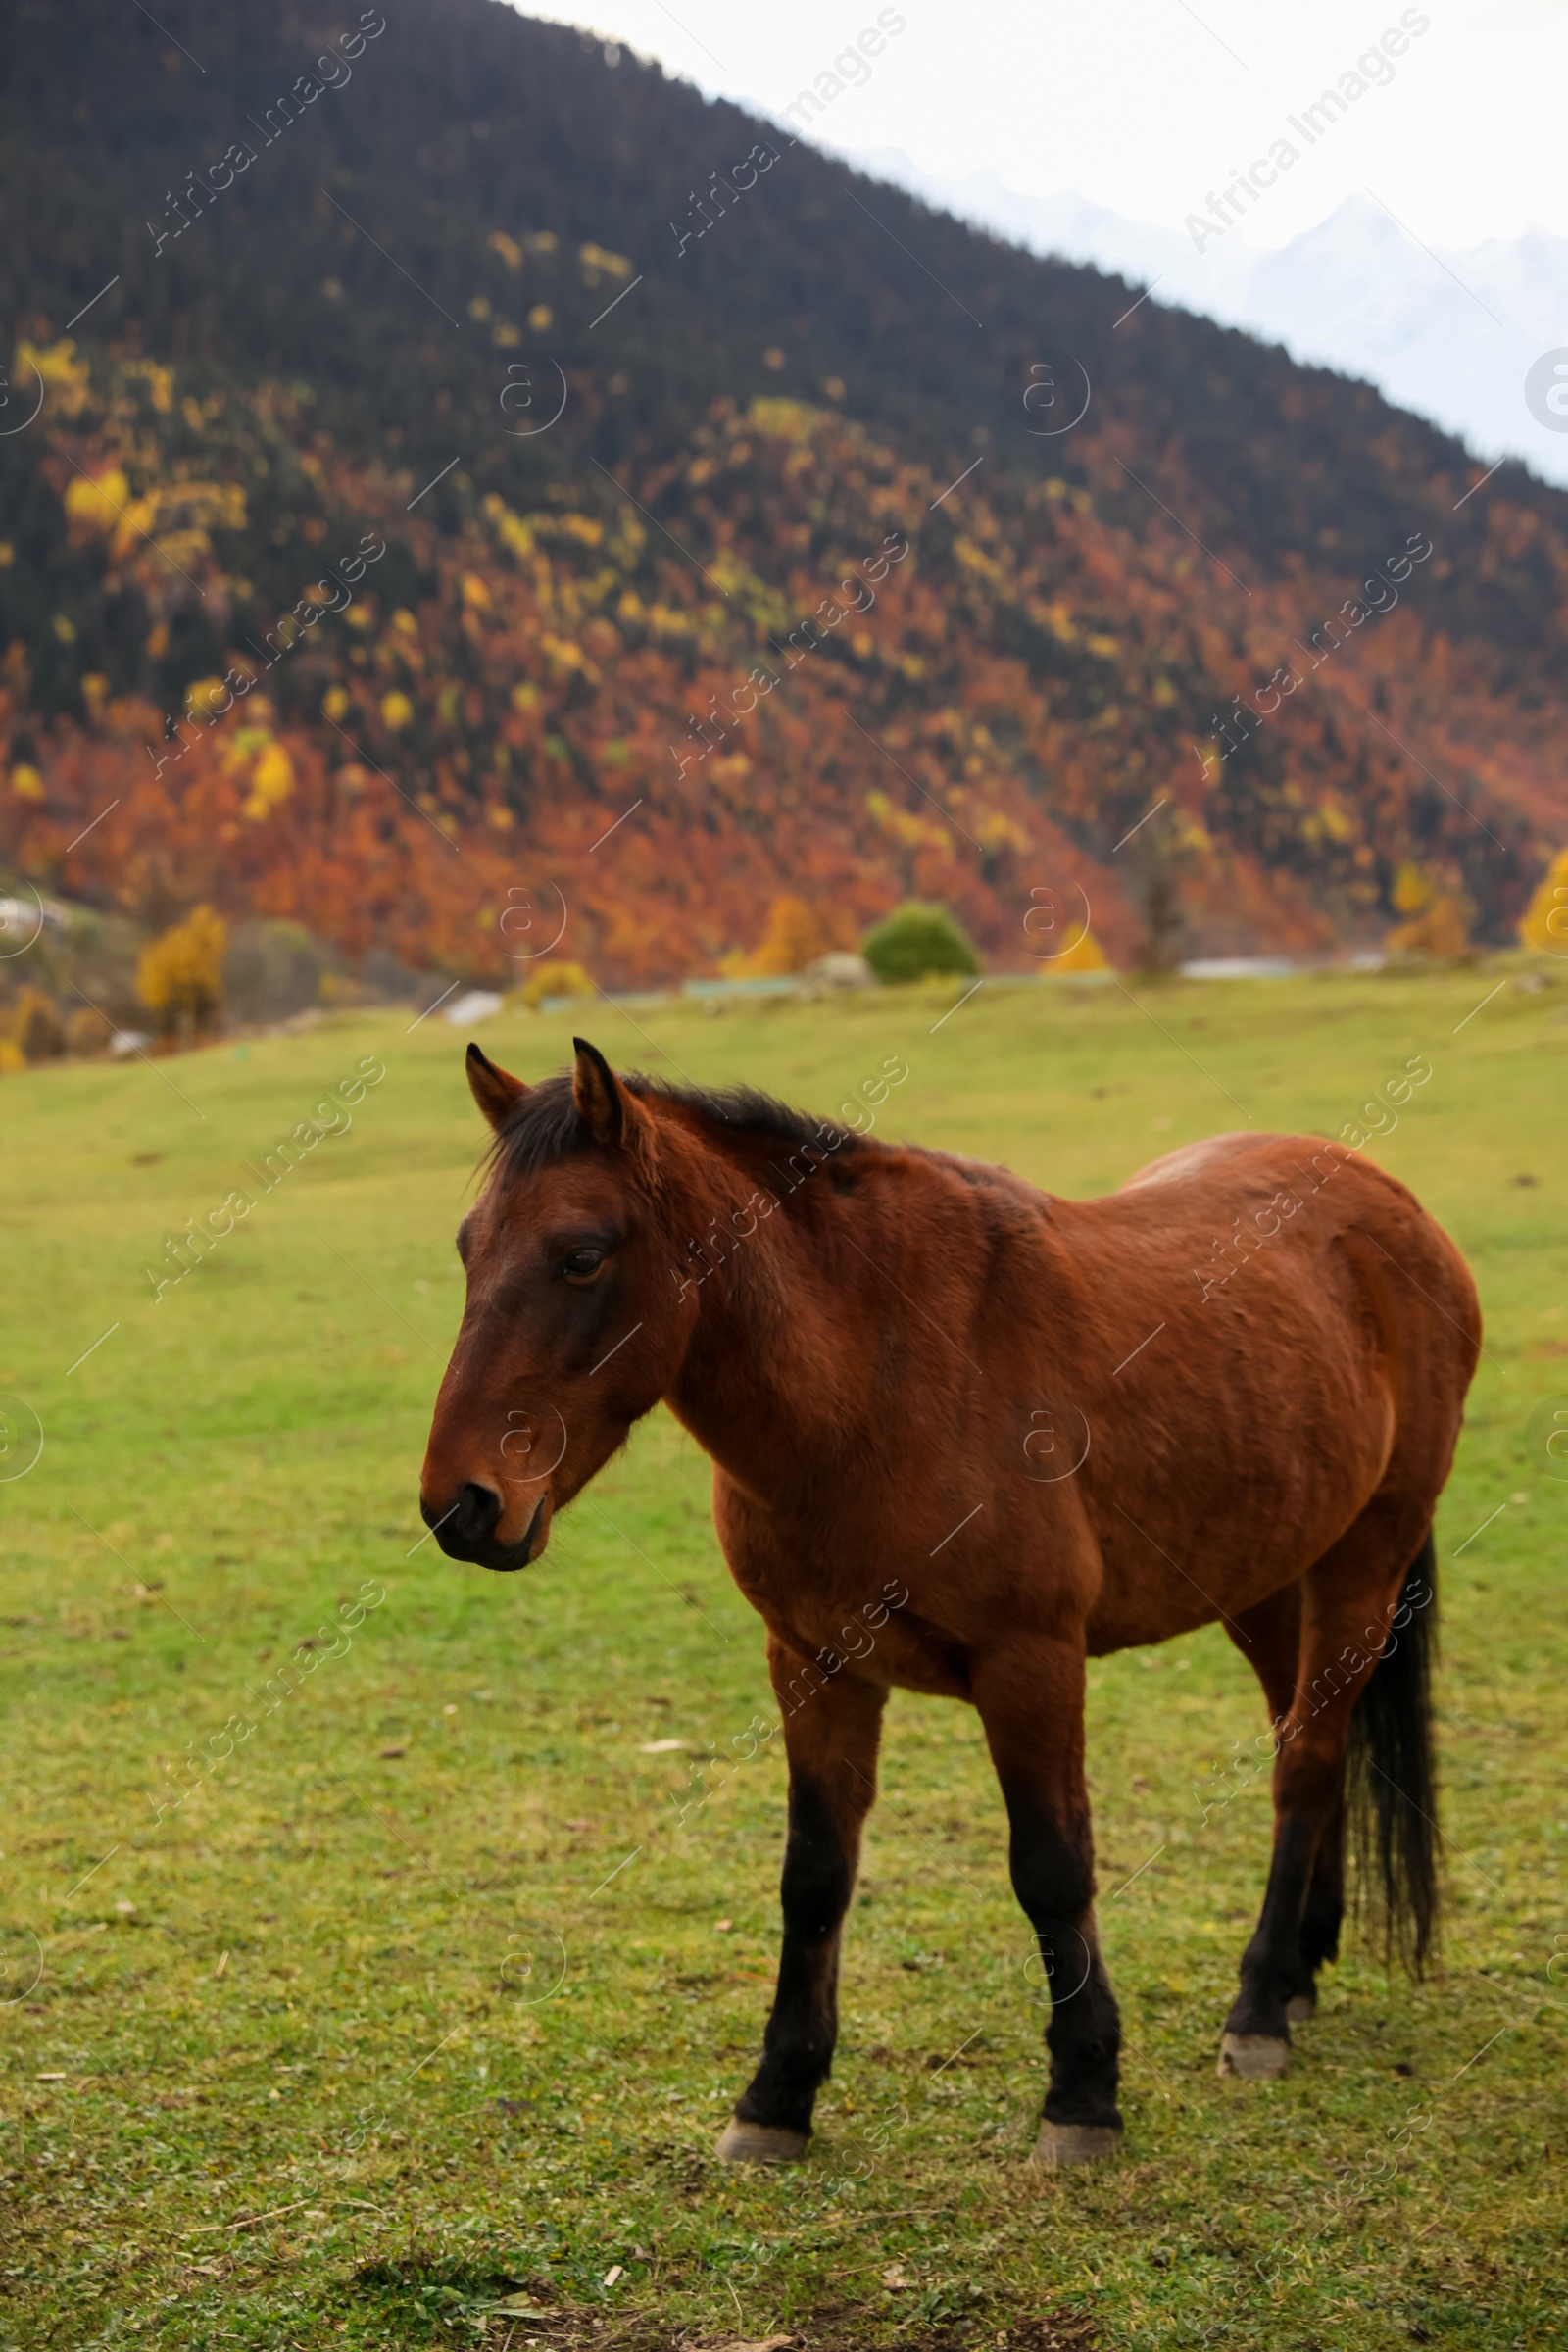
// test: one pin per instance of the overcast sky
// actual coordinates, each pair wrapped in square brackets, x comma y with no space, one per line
[1147,104]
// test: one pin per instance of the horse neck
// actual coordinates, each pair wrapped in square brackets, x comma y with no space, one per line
[765,1386]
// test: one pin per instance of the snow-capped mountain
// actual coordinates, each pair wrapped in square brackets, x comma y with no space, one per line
[1450,337]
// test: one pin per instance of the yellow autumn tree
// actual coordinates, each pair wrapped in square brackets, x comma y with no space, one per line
[1545,922]
[1086,954]
[1437,920]
[794,937]
[36,1027]
[180,976]
[555,980]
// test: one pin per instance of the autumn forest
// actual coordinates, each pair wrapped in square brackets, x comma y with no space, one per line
[458,563]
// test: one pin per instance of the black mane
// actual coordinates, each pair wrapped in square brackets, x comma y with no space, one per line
[547,1125]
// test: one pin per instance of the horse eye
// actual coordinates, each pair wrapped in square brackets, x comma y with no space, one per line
[583,1265]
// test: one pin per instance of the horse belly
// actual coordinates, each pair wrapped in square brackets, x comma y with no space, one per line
[1246,1478]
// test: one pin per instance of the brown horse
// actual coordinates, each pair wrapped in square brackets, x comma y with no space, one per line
[1058,1428]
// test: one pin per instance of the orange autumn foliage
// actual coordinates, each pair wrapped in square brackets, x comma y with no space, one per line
[985,721]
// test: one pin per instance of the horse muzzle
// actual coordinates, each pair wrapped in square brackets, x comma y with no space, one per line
[466,1527]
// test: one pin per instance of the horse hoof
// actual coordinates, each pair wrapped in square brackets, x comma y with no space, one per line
[1301,2006]
[741,2142]
[1255,2057]
[1076,2143]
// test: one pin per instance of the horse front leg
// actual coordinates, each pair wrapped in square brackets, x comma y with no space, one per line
[831,1732]
[1031,1701]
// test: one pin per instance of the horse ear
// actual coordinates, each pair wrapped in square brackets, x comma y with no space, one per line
[496,1092]
[598,1094]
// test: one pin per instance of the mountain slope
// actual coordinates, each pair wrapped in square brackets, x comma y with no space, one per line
[359,337]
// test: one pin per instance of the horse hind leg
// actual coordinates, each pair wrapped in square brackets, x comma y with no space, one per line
[1276,1982]
[1348,1600]
[1269,1638]
[1323,1913]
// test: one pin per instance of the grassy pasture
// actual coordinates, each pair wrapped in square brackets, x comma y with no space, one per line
[431,1996]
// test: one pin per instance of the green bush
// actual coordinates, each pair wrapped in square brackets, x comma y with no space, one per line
[916,941]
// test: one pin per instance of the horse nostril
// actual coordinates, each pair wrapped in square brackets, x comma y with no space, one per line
[478,1509]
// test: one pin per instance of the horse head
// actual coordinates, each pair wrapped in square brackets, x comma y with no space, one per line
[571,1328]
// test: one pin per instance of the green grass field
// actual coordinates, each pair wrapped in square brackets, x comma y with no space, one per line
[426,1998]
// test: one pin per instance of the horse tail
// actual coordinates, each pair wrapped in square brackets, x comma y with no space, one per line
[1392,1789]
